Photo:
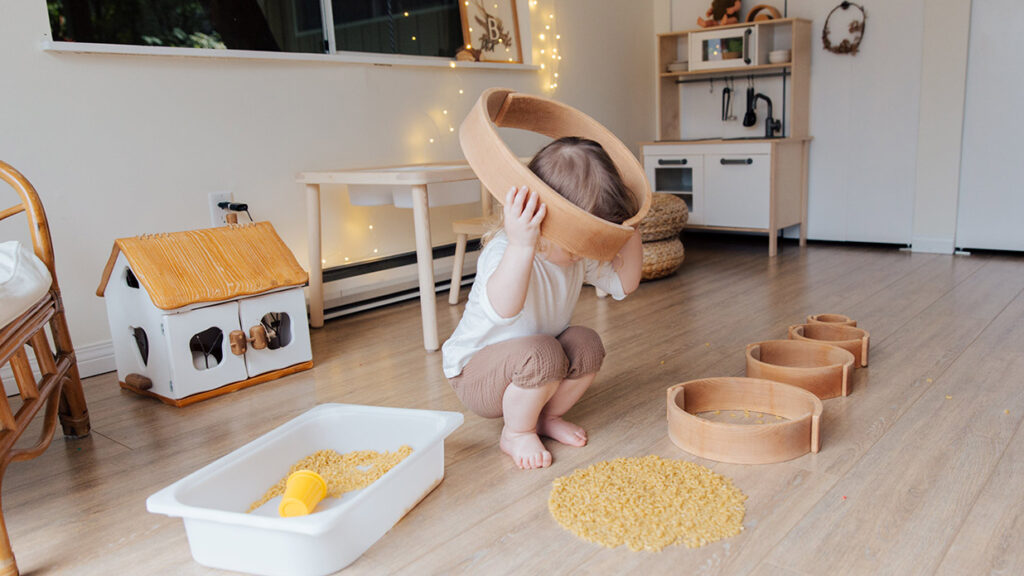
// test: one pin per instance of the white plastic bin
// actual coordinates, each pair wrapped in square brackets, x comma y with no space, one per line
[213,500]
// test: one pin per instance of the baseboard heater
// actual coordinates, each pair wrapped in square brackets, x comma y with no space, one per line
[389,295]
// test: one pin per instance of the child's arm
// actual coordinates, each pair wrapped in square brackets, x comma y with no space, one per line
[506,288]
[628,261]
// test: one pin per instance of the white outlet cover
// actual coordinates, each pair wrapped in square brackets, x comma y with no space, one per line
[217,214]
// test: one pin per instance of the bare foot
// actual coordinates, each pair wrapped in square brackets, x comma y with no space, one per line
[525,448]
[562,431]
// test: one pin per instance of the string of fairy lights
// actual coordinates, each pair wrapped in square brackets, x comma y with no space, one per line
[444,117]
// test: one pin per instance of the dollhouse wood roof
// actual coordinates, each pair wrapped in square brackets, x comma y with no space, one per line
[210,265]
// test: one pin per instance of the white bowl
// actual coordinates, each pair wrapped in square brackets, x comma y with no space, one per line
[778,56]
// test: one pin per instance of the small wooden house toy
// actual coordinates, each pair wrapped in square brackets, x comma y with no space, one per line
[201,313]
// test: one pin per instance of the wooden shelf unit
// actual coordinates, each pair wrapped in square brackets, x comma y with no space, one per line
[674,45]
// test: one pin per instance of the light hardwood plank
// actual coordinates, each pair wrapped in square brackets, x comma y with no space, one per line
[79,508]
[989,542]
[903,502]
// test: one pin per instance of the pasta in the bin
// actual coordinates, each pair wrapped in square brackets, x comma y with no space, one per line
[342,472]
[647,503]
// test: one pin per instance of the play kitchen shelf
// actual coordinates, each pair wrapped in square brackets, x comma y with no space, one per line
[749,184]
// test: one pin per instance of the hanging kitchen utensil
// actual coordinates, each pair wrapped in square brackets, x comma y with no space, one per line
[726,103]
[750,118]
[732,92]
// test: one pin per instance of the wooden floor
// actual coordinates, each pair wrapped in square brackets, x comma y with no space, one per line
[920,470]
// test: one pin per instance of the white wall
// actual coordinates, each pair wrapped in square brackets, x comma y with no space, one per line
[124,145]
[863,117]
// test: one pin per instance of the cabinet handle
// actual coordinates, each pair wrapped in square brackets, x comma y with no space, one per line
[664,162]
[736,161]
[746,45]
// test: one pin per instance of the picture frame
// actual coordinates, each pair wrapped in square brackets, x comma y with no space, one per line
[490,28]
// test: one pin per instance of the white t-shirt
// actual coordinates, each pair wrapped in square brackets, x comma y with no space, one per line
[550,300]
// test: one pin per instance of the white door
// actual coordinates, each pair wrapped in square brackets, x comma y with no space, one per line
[681,175]
[736,190]
[991,194]
[283,316]
[199,350]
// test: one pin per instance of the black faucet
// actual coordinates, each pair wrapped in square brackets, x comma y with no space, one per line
[771,125]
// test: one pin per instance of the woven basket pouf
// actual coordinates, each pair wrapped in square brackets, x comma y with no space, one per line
[667,216]
[661,258]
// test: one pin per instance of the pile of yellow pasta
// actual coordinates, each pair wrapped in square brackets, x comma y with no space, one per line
[342,472]
[647,503]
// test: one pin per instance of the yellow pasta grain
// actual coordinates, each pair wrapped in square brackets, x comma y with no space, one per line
[342,472]
[647,503]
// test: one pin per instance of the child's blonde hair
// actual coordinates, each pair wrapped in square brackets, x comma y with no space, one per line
[581,171]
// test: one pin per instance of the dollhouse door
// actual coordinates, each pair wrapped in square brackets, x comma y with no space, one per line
[282,315]
[200,353]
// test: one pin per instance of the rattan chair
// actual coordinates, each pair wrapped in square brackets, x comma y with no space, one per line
[57,392]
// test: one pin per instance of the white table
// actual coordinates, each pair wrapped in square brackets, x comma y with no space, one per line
[416,177]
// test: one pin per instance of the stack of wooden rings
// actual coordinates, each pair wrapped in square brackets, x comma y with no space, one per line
[659,232]
[785,378]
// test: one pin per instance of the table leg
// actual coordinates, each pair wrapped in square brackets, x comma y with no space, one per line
[803,194]
[425,265]
[316,268]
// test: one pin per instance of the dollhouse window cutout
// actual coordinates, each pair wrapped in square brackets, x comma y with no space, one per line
[141,343]
[130,279]
[279,329]
[206,347]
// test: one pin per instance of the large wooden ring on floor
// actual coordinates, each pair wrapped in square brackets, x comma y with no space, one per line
[743,443]
[820,368]
[854,340]
[499,169]
[840,319]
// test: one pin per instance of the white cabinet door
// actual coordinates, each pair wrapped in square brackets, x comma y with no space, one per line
[736,190]
[283,315]
[199,351]
[681,175]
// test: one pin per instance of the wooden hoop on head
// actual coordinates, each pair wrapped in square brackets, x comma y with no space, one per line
[831,319]
[853,340]
[820,368]
[499,169]
[743,443]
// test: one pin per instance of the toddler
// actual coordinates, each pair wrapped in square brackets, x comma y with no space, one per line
[514,354]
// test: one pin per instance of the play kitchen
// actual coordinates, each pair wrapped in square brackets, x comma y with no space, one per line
[733,125]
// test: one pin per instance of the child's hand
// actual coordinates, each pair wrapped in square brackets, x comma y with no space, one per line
[523,214]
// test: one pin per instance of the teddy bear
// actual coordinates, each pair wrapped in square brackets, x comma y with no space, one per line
[721,12]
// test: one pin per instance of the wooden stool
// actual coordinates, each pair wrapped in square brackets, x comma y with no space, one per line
[463,229]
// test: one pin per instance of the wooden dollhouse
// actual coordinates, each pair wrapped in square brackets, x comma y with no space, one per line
[201,313]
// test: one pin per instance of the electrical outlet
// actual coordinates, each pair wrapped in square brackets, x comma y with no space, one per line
[217,213]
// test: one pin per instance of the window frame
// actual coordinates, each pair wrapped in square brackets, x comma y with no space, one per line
[332,56]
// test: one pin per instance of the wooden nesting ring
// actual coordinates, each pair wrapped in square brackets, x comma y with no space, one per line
[743,443]
[822,369]
[499,169]
[831,319]
[769,13]
[855,340]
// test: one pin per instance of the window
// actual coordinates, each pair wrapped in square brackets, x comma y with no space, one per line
[416,27]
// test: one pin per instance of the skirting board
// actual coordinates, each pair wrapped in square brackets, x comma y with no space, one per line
[92,359]
[932,245]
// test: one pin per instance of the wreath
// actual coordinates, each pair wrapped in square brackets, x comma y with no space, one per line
[856,29]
